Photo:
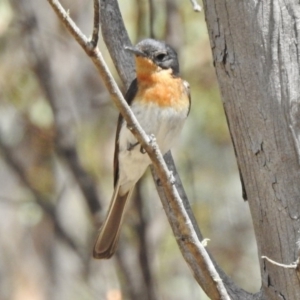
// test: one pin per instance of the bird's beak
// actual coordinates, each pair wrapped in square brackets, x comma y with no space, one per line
[135,51]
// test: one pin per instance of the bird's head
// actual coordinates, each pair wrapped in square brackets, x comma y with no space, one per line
[152,55]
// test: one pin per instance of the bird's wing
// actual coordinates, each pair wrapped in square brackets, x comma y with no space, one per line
[129,96]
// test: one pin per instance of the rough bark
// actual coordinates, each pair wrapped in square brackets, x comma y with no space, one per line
[256,53]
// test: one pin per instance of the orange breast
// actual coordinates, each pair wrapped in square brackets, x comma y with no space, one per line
[158,86]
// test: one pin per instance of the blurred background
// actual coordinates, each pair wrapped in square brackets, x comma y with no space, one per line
[57,127]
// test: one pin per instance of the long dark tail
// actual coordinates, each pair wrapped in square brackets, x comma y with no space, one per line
[106,242]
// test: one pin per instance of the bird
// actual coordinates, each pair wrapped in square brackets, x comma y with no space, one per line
[160,100]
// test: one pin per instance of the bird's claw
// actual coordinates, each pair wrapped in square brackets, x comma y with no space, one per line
[152,139]
[142,150]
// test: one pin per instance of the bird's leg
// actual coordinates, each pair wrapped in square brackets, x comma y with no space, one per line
[142,150]
[152,139]
[132,146]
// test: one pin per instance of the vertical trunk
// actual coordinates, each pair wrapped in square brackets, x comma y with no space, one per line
[256,53]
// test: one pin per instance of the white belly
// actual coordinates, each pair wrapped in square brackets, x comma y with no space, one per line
[164,123]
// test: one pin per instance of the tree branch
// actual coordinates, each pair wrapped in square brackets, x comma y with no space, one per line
[115,39]
[147,142]
[191,247]
[95,35]
[260,115]
[196,6]
[293,265]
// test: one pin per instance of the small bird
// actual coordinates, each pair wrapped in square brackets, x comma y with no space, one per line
[160,100]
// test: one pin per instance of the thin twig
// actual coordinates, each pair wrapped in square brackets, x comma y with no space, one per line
[293,265]
[196,6]
[95,35]
[148,143]
[194,250]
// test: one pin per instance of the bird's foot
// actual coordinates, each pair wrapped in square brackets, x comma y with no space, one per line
[152,139]
[142,150]
[132,146]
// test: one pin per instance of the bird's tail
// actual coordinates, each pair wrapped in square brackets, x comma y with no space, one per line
[108,236]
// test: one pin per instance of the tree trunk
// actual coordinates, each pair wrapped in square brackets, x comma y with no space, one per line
[256,53]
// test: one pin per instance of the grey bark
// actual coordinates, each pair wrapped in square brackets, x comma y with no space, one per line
[256,53]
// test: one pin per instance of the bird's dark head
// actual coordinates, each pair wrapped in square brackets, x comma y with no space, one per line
[156,52]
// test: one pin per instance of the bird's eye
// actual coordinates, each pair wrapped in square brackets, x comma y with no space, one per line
[160,56]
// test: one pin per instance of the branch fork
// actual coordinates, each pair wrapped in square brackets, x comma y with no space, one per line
[178,211]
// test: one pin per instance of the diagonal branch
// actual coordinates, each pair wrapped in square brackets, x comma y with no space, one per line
[148,143]
[115,39]
[191,247]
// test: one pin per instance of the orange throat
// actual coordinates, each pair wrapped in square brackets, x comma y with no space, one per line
[159,86]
